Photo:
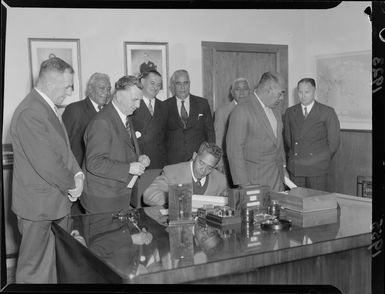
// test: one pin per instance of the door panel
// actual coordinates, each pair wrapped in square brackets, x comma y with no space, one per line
[224,62]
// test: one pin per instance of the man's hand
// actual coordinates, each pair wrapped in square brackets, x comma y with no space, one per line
[141,238]
[136,168]
[74,194]
[144,159]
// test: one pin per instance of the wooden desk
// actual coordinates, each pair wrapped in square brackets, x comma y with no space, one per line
[337,254]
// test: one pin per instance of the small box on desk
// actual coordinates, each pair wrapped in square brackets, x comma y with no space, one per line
[180,204]
[248,198]
[313,218]
[305,200]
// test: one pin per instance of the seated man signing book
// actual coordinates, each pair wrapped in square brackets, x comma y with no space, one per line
[201,172]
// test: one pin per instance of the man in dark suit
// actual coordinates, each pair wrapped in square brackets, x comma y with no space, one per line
[46,175]
[112,151]
[189,120]
[240,89]
[77,115]
[312,137]
[150,121]
[200,172]
[254,138]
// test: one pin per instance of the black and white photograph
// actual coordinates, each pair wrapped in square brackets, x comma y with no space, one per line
[239,145]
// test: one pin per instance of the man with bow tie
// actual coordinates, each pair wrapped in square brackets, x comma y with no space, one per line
[112,157]
[189,120]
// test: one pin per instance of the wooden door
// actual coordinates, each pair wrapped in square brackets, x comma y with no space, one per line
[224,62]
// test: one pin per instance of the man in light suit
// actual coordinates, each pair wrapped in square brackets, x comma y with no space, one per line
[150,121]
[77,115]
[254,138]
[240,89]
[201,172]
[189,120]
[312,137]
[46,175]
[112,152]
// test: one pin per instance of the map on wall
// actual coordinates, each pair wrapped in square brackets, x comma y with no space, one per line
[344,82]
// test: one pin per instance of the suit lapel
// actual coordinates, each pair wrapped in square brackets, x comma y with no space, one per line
[193,115]
[175,113]
[89,106]
[144,115]
[119,125]
[265,121]
[311,118]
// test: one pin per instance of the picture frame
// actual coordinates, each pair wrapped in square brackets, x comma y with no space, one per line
[41,49]
[344,82]
[141,56]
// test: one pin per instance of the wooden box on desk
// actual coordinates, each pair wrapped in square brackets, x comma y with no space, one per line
[313,218]
[305,200]
[246,197]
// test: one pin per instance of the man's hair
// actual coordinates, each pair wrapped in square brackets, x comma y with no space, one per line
[239,80]
[177,73]
[54,64]
[307,80]
[148,72]
[210,148]
[126,82]
[93,79]
[266,79]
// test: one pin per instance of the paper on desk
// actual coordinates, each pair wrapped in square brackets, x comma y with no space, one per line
[289,183]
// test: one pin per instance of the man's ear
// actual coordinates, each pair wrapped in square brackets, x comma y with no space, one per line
[194,155]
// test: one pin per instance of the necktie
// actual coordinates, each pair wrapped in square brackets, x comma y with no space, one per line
[150,108]
[57,114]
[183,114]
[272,120]
[199,183]
[128,128]
[306,113]
[100,107]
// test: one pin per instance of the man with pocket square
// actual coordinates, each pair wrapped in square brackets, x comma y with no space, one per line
[189,121]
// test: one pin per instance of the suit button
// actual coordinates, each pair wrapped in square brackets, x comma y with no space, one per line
[295,154]
[296,143]
[311,153]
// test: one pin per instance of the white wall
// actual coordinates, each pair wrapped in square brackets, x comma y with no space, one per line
[103,31]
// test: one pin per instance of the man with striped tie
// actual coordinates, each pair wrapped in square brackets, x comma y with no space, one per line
[112,151]
[150,121]
[312,137]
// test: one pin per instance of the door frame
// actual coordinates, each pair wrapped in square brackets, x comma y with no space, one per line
[210,49]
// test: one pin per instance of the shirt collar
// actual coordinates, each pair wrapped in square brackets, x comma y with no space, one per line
[308,107]
[187,99]
[46,99]
[260,101]
[122,116]
[94,104]
[147,100]
[203,180]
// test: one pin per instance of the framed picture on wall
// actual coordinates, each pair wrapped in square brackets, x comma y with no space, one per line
[140,57]
[40,49]
[344,82]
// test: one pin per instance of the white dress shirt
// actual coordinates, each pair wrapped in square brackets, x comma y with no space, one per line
[308,108]
[122,116]
[186,104]
[270,115]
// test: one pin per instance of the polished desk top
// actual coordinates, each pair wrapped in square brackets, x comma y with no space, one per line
[192,252]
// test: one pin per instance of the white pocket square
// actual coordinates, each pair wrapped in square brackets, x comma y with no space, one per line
[138,134]
[200,115]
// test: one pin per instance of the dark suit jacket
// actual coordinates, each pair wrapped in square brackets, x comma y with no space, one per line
[44,165]
[76,117]
[255,155]
[152,141]
[180,173]
[311,142]
[109,152]
[182,143]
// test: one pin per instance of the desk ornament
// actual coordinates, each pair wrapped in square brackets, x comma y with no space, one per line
[180,204]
